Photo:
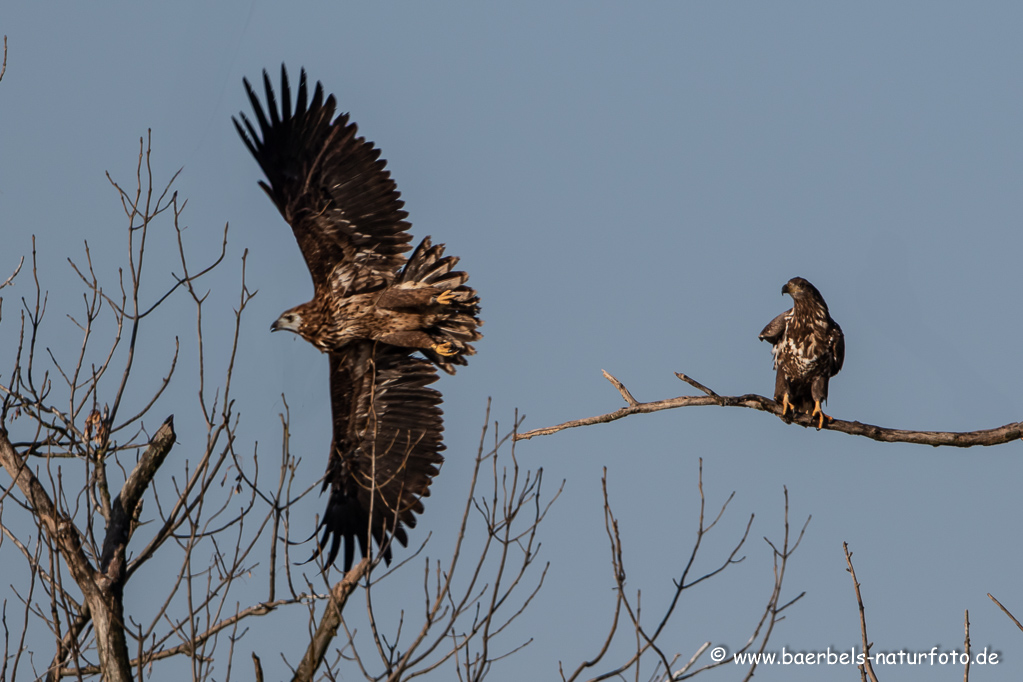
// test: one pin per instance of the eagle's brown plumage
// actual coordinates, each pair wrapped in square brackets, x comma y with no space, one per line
[385,450]
[808,348]
[371,309]
[334,191]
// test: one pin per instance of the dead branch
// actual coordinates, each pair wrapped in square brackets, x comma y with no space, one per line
[9,280]
[96,589]
[961,439]
[1005,611]
[866,669]
[327,628]
[124,507]
[966,645]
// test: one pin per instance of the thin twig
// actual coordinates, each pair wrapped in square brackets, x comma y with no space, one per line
[1005,611]
[621,389]
[966,646]
[21,262]
[866,668]
[695,384]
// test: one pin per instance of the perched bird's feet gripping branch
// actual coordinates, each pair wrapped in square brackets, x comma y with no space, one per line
[817,411]
[785,405]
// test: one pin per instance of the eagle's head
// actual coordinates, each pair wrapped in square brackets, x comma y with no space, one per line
[798,288]
[290,320]
[804,295]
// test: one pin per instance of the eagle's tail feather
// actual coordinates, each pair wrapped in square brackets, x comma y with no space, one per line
[460,326]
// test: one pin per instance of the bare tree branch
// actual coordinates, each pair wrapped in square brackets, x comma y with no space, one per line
[962,439]
[14,274]
[125,505]
[327,628]
[866,669]
[1005,611]
[966,645]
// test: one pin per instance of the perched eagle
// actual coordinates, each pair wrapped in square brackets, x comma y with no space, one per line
[808,348]
[371,309]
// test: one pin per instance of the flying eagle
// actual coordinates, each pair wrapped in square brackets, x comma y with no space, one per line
[371,309]
[808,348]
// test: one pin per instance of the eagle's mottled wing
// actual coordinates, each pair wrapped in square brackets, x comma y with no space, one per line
[386,448]
[837,345]
[775,328]
[330,185]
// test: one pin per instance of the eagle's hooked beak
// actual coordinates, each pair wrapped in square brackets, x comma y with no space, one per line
[785,289]
[289,321]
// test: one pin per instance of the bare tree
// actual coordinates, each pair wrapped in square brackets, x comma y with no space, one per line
[85,456]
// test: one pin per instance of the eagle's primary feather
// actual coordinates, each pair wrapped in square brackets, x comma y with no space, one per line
[808,348]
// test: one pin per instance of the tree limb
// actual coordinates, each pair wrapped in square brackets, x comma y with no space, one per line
[961,439]
[327,629]
[125,506]
[106,611]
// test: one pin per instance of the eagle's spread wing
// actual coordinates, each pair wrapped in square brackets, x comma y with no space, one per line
[385,453]
[330,185]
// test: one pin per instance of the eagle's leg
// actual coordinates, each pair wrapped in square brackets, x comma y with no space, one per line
[785,405]
[419,339]
[817,411]
[446,349]
[446,297]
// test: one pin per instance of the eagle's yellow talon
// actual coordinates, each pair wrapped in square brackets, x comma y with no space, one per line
[818,412]
[785,405]
[446,349]
[445,297]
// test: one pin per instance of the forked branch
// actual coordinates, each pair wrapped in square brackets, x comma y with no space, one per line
[961,439]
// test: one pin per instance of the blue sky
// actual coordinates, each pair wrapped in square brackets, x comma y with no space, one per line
[629,188]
